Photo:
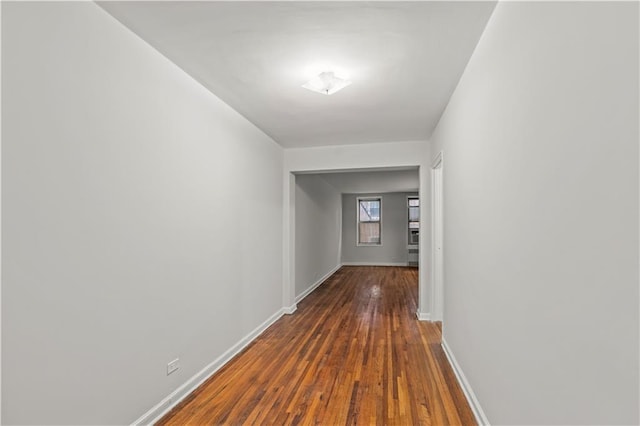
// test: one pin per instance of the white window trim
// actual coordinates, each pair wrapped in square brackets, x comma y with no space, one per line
[409,245]
[367,198]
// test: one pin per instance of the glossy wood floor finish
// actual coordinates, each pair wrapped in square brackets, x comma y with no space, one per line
[353,353]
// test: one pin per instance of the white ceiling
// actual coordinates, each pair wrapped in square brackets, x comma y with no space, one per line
[374,181]
[404,58]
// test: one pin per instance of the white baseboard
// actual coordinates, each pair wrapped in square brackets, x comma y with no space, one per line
[317,284]
[375,264]
[423,316]
[164,406]
[479,414]
[290,309]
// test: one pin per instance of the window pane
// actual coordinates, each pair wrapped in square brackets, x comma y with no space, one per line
[414,213]
[369,210]
[369,233]
[414,225]
[414,202]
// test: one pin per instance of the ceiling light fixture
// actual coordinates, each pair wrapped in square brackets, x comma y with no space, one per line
[326,83]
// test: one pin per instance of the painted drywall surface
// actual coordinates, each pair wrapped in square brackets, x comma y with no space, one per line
[358,156]
[0,223]
[362,182]
[318,223]
[394,230]
[375,156]
[540,148]
[130,202]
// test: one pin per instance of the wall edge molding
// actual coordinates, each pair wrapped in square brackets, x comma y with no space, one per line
[288,310]
[423,316]
[374,264]
[318,283]
[478,412]
[175,397]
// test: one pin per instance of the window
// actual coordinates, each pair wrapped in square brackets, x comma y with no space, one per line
[413,205]
[369,221]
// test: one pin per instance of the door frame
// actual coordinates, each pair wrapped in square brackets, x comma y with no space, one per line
[437,240]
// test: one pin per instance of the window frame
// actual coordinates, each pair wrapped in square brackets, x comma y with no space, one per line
[367,198]
[408,233]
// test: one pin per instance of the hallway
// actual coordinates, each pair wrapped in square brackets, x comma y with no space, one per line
[178,175]
[353,353]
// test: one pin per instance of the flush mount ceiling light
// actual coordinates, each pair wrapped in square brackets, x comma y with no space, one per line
[326,83]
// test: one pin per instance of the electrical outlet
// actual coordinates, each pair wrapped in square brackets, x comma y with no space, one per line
[173,366]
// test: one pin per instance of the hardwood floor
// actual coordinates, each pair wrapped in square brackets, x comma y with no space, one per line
[353,353]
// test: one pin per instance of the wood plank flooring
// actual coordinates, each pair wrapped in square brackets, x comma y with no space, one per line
[353,353]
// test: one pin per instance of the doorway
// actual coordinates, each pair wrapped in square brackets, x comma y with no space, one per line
[292,272]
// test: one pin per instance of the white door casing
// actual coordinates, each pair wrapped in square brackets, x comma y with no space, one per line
[437,265]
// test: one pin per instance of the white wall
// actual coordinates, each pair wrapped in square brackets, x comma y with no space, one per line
[394,230]
[127,238]
[318,225]
[363,182]
[377,156]
[0,220]
[374,157]
[540,145]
